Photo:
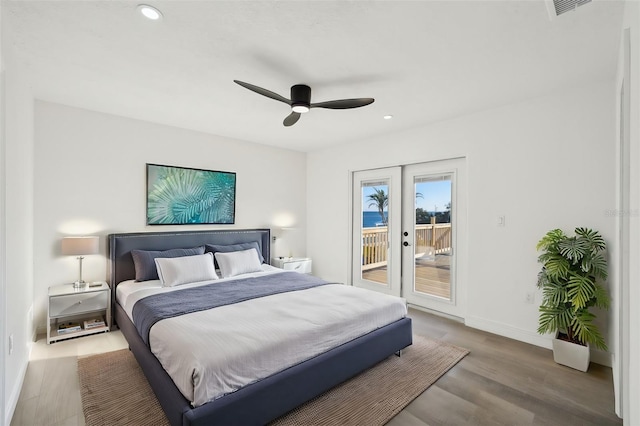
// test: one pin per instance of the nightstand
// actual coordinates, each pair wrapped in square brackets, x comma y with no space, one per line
[80,310]
[297,264]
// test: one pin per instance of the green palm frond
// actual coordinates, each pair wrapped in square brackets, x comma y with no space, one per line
[554,319]
[554,294]
[574,248]
[601,297]
[380,200]
[586,331]
[595,264]
[556,265]
[580,291]
[543,278]
[550,240]
[594,239]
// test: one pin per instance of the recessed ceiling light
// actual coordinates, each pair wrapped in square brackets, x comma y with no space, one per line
[150,12]
[388,117]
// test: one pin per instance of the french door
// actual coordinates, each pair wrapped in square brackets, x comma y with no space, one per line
[407,233]
[377,220]
[432,235]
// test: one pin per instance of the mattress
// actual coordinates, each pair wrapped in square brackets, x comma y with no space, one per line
[214,352]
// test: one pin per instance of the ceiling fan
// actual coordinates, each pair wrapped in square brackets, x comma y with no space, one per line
[301,101]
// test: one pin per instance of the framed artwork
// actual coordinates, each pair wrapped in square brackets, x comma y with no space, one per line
[185,196]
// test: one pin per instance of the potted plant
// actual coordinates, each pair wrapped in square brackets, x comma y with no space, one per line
[572,271]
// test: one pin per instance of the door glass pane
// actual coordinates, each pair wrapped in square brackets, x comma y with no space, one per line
[375,231]
[433,235]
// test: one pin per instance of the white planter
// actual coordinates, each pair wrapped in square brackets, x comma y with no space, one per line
[571,354]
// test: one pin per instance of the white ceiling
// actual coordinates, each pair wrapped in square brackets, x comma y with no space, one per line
[422,61]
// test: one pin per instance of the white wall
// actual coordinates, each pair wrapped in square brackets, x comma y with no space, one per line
[546,163]
[18,236]
[90,178]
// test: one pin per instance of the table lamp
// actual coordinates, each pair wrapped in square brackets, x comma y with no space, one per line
[79,246]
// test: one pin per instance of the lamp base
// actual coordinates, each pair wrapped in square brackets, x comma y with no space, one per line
[79,284]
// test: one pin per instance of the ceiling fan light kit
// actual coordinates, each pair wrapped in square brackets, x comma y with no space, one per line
[300,108]
[300,101]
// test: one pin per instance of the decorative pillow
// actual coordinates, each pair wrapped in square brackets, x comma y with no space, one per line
[216,248]
[143,260]
[238,262]
[187,269]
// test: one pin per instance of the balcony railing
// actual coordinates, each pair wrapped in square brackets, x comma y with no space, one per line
[430,239]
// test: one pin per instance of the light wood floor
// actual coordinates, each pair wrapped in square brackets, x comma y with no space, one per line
[501,382]
[506,382]
[51,392]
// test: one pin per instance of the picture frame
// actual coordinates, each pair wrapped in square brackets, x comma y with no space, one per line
[189,196]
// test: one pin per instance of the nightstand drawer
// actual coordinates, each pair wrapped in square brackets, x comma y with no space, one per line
[77,303]
[302,266]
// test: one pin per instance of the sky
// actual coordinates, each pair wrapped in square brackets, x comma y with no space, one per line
[436,195]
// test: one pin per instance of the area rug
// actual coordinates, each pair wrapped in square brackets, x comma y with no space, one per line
[115,392]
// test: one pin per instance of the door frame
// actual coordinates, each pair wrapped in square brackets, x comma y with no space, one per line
[461,237]
[621,273]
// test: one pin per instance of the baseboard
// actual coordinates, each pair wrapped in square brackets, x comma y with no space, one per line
[40,330]
[508,331]
[602,357]
[436,313]
[12,402]
[597,356]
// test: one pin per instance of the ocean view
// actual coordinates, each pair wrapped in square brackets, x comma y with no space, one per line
[369,219]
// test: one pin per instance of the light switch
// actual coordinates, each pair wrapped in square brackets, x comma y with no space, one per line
[501,221]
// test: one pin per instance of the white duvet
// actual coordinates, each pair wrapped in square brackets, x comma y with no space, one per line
[215,352]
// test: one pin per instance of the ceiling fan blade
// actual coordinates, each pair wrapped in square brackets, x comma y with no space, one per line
[263,92]
[343,103]
[291,119]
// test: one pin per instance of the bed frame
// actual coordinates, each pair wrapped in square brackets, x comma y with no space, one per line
[267,399]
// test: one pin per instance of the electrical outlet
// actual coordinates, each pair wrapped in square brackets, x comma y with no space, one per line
[530,298]
[10,344]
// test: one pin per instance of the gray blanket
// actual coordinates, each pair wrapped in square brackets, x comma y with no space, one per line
[151,309]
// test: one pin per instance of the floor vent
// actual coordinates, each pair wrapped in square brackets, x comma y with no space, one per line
[562,6]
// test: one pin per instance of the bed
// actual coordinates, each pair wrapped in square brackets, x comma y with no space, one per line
[257,402]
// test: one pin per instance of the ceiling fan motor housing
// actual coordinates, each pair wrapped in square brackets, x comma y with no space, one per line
[301,95]
[301,101]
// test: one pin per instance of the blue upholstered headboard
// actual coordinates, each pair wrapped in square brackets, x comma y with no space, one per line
[121,267]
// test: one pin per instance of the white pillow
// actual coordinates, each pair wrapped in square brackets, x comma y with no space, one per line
[186,269]
[238,262]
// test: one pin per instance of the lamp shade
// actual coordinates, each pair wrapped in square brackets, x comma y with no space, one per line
[79,245]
